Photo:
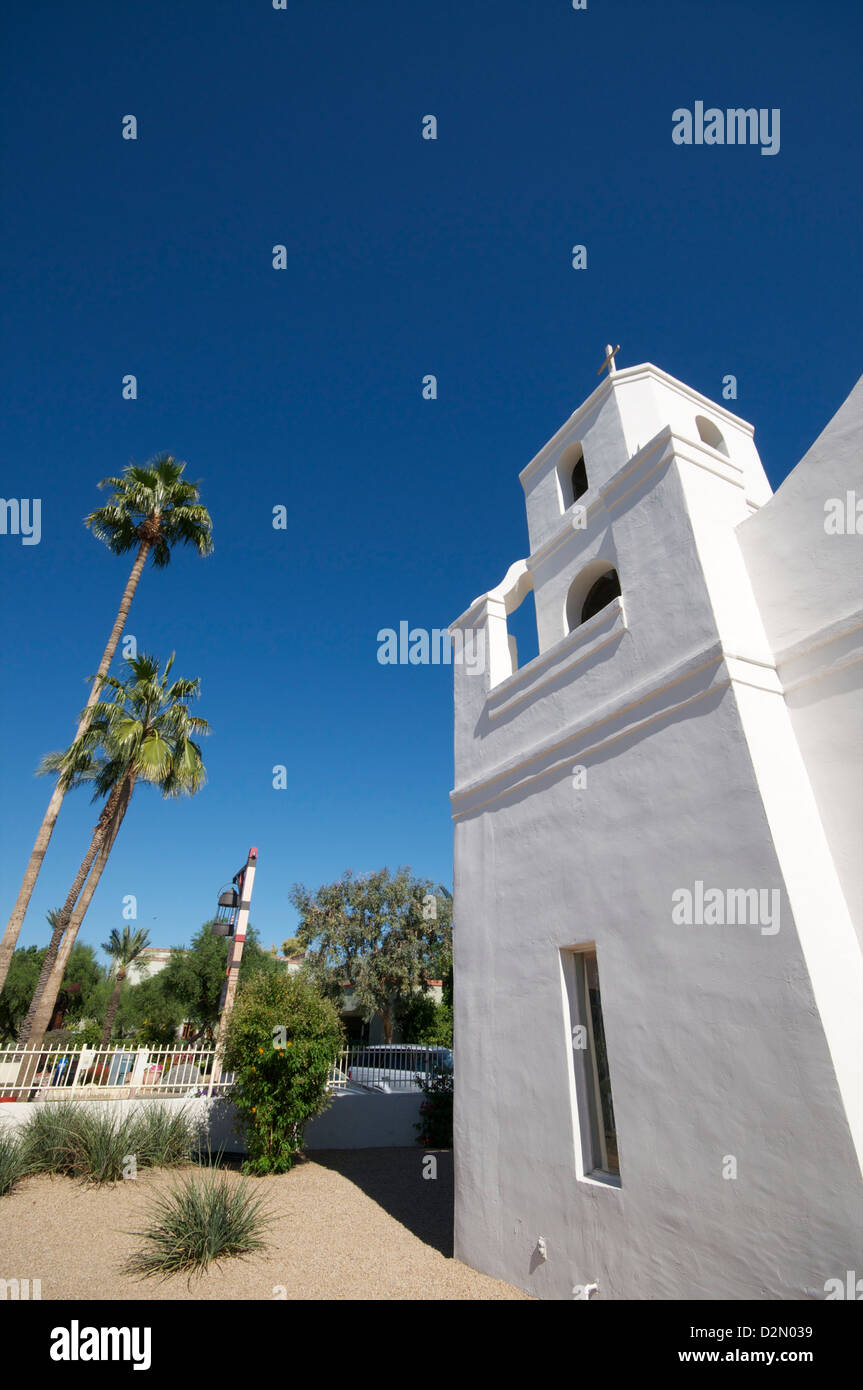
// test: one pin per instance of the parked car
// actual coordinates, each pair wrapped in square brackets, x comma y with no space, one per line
[398,1067]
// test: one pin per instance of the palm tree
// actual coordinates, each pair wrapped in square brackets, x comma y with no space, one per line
[145,732]
[152,509]
[124,949]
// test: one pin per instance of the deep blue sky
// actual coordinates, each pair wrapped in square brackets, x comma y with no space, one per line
[302,387]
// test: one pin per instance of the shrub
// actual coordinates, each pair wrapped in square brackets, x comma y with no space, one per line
[164,1138]
[201,1220]
[434,1129]
[100,1145]
[69,1138]
[46,1137]
[424,1021]
[87,1031]
[13,1162]
[280,1088]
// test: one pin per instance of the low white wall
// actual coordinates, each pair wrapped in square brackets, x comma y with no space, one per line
[352,1121]
[217,1115]
[373,1121]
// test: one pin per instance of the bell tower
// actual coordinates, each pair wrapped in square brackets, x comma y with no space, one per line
[631,509]
[647,756]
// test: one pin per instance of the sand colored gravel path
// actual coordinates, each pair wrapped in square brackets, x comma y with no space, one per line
[349,1224]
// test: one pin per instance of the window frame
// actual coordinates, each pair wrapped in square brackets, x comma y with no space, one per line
[588,1119]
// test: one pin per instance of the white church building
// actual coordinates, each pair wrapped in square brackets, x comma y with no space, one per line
[658,867]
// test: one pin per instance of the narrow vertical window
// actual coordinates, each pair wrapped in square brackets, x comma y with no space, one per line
[578,480]
[594,1108]
[607,1134]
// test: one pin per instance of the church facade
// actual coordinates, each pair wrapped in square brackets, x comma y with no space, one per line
[658,893]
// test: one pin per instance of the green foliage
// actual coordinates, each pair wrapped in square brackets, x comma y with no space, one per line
[188,989]
[155,502]
[73,1140]
[125,946]
[142,727]
[281,1077]
[86,1031]
[422,1020]
[194,979]
[82,969]
[149,1012]
[434,1129]
[13,1161]
[70,1138]
[201,1220]
[18,990]
[374,934]
[164,1138]
[447,980]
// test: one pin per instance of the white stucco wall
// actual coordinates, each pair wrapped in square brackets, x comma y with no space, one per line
[808,582]
[723,1041]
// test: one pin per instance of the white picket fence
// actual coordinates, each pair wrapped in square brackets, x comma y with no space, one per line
[111,1073]
[67,1072]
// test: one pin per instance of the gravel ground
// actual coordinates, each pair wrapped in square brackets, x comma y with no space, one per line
[360,1223]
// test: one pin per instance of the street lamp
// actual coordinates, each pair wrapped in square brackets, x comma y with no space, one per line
[229,901]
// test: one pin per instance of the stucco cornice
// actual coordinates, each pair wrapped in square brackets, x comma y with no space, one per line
[704,672]
[823,652]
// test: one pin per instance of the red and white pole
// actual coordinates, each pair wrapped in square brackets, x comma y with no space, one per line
[245,883]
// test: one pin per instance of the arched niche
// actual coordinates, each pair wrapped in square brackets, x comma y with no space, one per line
[709,433]
[593,589]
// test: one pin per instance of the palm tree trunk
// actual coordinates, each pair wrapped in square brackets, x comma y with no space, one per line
[112,1008]
[46,829]
[55,984]
[48,986]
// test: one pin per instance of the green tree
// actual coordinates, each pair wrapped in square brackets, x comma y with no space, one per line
[145,732]
[193,978]
[82,969]
[423,1020]
[123,948]
[149,1012]
[283,1037]
[151,510]
[376,934]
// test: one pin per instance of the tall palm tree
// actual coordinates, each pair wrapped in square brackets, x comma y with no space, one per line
[124,948]
[145,732]
[151,510]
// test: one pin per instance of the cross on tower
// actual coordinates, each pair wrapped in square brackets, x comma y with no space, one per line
[610,354]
